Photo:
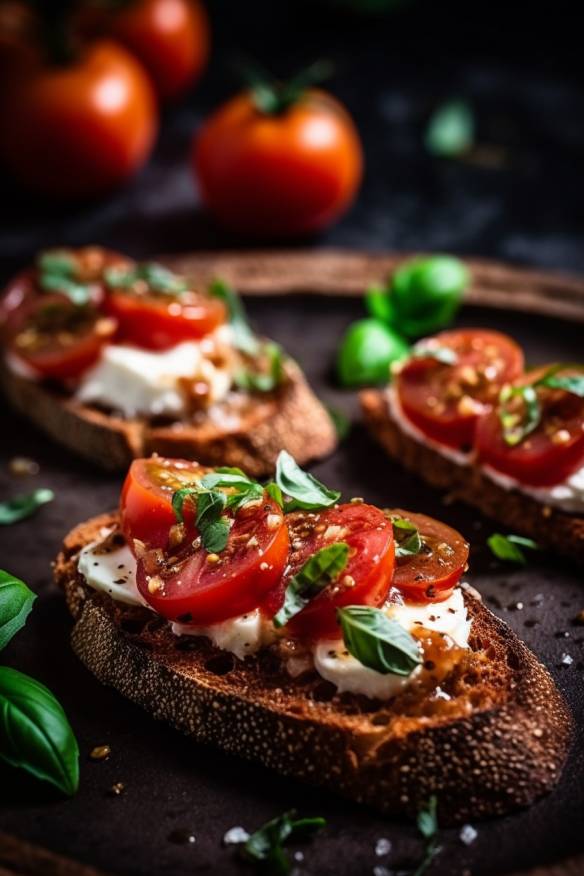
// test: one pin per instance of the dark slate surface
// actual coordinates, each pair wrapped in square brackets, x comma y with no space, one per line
[172,784]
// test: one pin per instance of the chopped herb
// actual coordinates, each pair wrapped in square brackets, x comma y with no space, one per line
[572,383]
[243,337]
[15,604]
[274,491]
[317,573]
[21,507]
[428,826]
[263,381]
[159,279]
[377,641]
[407,537]
[509,547]
[305,492]
[450,131]
[57,273]
[518,424]
[265,845]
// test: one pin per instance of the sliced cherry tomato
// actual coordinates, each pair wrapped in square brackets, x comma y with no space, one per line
[57,339]
[430,574]
[445,401]
[367,576]
[201,588]
[549,454]
[146,502]
[160,322]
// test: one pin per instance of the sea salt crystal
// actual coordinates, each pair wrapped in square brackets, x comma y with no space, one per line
[382,846]
[468,834]
[235,835]
[298,856]
[567,660]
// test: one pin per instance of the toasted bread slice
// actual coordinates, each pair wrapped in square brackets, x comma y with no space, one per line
[496,742]
[291,418]
[550,527]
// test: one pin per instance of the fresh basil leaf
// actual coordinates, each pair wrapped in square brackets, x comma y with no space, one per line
[263,381]
[444,355]
[21,507]
[265,845]
[15,604]
[341,422]
[304,490]
[450,131]
[517,425]
[407,537]
[509,547]
[377,641]
[243,337]
[572,383]
[427,819]
[246,490]
[215,535]
[35,734]
[275,493]
[57,274]
[158,278]
[179,497]
[316,574]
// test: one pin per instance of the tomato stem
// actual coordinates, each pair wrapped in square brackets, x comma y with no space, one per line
[273,97]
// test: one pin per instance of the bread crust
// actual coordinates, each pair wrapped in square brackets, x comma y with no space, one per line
[500,745]
[548,526]
[292,419]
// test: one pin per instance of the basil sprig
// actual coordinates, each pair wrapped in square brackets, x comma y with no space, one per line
[212,503]
[35,734]
[408,541]
[243,337]
[305,492]
[318,572]
[21,507]
[160,279]
[427,823]
[263,381]
[510,547]
[377,641]
[517,425]
[265,845]
[15,604]
[57,273]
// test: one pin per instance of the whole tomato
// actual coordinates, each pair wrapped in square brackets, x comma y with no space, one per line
[170,37]
[82,128]
[278,167]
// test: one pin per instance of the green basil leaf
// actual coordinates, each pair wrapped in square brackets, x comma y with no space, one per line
[243,337]
[275,493]
[517,425]
[304,490]
[224,478]
[316,574]
[407,537]
[444,355]
[57,274]
[215,535]
[368,349]
[377,641]
[15,604]
[572,383]
[509,547]
[158,278]
[263,381]
[35,734]
[427,819]
[450,131]
[265,845]
[179,497]
[21,507]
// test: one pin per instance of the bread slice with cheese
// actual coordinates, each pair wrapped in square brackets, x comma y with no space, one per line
[550,527]
[291,418]
[494,740]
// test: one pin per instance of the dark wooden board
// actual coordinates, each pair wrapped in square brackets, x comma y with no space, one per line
[172,784]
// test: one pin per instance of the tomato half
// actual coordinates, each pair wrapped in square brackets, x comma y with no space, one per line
[549,454]
[160,322]
[201,588]
[284,173]
[367,576]
[430,574]
[146,500]
[445,401]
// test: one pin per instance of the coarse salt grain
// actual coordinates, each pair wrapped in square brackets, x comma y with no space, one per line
[468,834]
[236,835]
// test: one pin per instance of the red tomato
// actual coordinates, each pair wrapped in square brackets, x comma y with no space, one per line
[170,37]
[146,501]
[204,588]
[367,576]
[549,454]
[278,174]
[81,129]
[430,574]
[160,322]
[445,401]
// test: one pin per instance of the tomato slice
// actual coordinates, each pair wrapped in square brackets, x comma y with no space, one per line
[366,578]
[549,454]
[201,588]
[445,401]
[160,321]
[146,501]
[429,575]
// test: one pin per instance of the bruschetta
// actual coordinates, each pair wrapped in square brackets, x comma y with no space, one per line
[330,640]
[117,359]
[463,413]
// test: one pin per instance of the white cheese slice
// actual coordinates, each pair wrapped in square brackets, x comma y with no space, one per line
[243,635]
[113,573]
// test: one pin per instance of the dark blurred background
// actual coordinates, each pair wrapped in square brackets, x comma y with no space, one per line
[518,196]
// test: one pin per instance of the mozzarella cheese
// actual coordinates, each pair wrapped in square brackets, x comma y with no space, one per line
[113,573]
[335,664]
[135,381]
[243,635]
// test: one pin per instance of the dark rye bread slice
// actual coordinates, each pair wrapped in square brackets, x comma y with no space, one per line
[550,527]
[291,418]
[497,744]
